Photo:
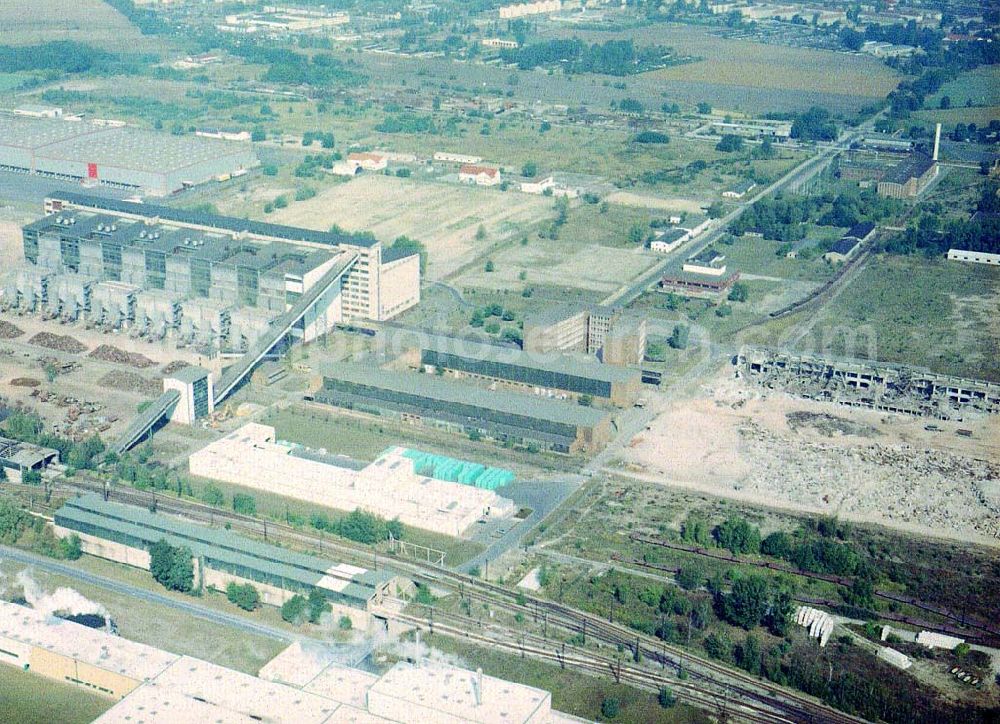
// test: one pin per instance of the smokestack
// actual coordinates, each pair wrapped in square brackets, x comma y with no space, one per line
[937,141]
[477,686]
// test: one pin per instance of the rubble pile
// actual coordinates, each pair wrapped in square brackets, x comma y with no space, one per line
[176,366]
[131,382]
[9,331]
[110,353]
[58,342]
[899,482]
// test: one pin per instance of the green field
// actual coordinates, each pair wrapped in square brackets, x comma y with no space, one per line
[925,312]
[84,21]
[751,255]
[27,698]
[981,86]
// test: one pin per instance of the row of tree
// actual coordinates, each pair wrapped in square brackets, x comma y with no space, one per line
[614,57]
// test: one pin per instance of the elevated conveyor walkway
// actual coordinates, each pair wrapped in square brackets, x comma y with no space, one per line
[280,327]
[145,420]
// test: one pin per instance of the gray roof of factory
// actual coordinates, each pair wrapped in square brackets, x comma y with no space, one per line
[461,393]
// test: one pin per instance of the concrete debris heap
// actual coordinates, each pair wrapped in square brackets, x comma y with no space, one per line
[859,383]
[819,623]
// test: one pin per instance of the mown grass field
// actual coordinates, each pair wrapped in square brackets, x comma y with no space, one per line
[85,21]
[981,86]
[926,312]
[27,698]
[738,75]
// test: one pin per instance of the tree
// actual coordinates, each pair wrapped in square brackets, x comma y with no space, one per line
[690,577]
[345,624]
[945,103]
[245,596]
[611,706]
[50,372]
[31,477]
[718,646]
[529,169]
[695,530]
[213,495]
[747,602]
[636,233]
[777,544]
[679,337]
[704,108]
[715,210]
[738,536]
[748,654]
[666,698]
[171,567]
[293,610]
[481,233]
[70,548]
[730,143]
[490,266]
[318,605]
[406,244]
[738,293]
[244,504]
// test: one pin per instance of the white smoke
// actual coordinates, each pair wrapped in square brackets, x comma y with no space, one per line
[417,650]
[64,601]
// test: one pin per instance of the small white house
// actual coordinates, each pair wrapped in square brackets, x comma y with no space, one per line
[479,175]
[368,161]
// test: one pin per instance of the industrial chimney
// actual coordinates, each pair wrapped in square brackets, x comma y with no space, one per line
[937,141]
[477,686]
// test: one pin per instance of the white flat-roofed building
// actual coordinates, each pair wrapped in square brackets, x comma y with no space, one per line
[389,487]
[67,651]
[441,693]
[197,691]
[974,257]
[446,157]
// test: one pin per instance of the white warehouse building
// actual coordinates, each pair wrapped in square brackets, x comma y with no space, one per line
[388,487]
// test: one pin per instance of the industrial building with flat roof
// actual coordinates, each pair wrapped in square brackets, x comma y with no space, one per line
[301,685]
[501,415]
[427,691]
[120,156]
[389,487]
[17,458]
[210,281]
[603,331]
[545,374]
[125,533]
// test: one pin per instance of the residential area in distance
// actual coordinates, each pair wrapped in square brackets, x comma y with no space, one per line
[494,361]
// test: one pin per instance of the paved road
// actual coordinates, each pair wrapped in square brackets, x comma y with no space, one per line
[794,178]
[542,497]
[354,653]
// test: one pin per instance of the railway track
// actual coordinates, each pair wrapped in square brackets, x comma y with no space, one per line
[715,679]
[969,622]
[536,647]
[799,707]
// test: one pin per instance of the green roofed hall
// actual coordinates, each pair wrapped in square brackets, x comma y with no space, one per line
[220,552]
